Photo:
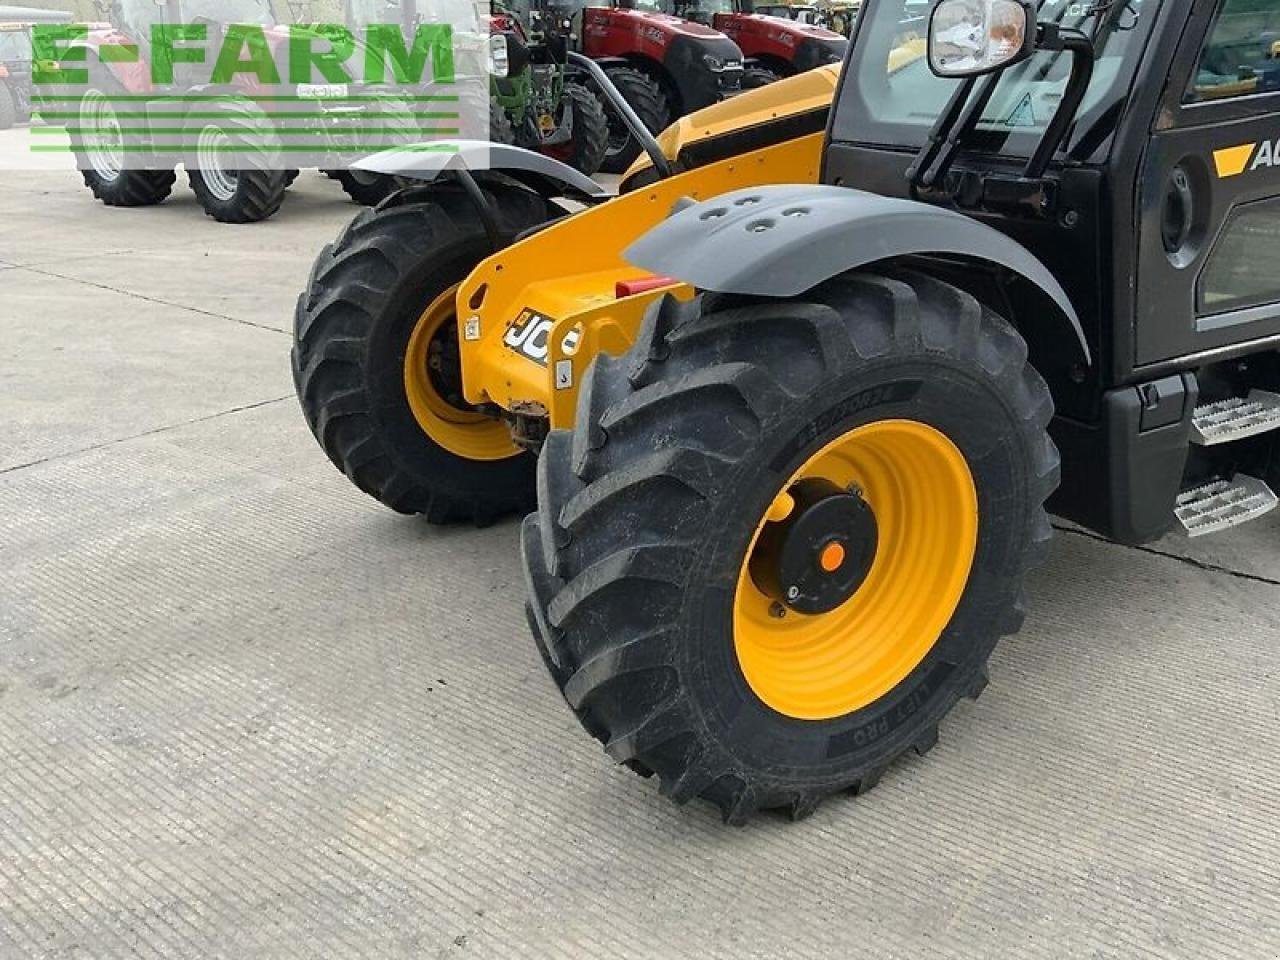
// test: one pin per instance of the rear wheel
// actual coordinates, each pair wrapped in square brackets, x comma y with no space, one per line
[99,146]
[650,104]
[755,76]
[376,361]
[782,541]
[236,172]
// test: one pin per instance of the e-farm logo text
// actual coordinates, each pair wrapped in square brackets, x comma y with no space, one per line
[254,95]
[310,53]
[1233,161]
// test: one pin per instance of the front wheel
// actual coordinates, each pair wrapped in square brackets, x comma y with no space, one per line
[782,540]
[376,361]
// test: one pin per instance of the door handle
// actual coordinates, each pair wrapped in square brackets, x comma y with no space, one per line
[1179,212]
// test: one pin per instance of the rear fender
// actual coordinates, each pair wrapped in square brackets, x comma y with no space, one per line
[427,161]
[779,241]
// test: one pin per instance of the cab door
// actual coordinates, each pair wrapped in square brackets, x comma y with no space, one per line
[1209,193]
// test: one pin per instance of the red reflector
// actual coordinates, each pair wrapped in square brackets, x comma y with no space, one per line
[629,288]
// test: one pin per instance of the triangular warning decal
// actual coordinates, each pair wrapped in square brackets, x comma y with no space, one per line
[1024,114]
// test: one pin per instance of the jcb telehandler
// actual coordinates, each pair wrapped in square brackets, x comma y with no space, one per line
[790,408]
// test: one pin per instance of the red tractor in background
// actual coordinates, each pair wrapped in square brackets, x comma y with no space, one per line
[773,46]
[664,66]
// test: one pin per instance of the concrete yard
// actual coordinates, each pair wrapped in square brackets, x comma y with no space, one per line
[246,712]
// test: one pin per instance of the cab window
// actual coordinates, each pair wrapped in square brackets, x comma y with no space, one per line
[1241,55]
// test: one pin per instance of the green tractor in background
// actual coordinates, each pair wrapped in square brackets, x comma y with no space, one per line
[534,102]
[548,108]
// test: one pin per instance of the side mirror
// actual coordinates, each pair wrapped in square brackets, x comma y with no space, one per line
[968,38]
[499,60]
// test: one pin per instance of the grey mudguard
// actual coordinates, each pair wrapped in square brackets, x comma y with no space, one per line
[779,241]
[416,162]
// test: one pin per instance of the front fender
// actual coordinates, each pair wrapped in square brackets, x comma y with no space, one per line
[426,161]
[779,241]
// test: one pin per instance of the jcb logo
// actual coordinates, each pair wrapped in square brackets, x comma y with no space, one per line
[1233,161]
[530,333]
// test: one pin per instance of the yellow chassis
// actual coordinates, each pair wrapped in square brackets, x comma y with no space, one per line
[558,288]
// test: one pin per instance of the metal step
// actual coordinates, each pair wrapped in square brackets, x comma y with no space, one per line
[1224,504]
[1236,418]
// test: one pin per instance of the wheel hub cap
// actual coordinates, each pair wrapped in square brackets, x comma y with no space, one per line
[820,554]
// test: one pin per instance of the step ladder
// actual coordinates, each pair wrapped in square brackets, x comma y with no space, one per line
[1236,418]
[1224,504]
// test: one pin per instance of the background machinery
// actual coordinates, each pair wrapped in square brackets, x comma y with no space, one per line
[663,65]
[773,44]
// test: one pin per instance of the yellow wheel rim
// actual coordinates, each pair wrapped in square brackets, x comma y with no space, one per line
[464,433]
[822,666]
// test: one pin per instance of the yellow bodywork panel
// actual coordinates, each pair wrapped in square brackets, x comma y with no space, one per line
[803,93]
[533,316]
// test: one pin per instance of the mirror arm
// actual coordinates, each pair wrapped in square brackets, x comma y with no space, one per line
[1052,37]
[967,120]
[941,127]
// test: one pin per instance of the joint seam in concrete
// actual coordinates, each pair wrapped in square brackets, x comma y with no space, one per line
[1189,561]
[145,433]
[155,300]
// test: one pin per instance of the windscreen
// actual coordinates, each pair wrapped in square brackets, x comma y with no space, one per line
[896,98]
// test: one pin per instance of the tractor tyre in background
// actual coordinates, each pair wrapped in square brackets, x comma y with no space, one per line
[99,151]
[8,107]
[589,141]
[396,127]
[376,362]
[236,170]
[501,129]
[782,540]
[365,188]
[754,77]
[650,104]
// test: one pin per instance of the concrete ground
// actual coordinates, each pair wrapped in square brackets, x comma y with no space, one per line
[245,712]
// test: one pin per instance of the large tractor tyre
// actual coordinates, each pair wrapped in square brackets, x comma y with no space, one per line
[589,142]
[8,106]
[755,77]
[650,104]
[236,171]
[240,196]
[98,144]
[396,127]
[782,540]
[376,361]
